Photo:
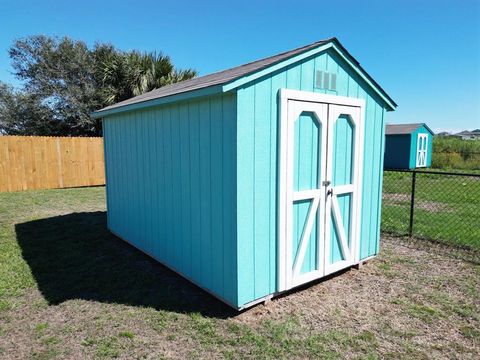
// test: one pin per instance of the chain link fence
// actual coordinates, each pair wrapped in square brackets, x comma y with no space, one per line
[432,205]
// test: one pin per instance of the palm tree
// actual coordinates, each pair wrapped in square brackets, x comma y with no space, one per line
[127,74]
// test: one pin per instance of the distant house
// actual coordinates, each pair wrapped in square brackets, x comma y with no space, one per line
[443,133]
[408,146]
[468,135]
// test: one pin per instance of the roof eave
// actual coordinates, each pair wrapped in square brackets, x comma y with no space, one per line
[207,91]
[430,130]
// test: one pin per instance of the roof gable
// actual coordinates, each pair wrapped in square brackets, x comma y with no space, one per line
[233,78]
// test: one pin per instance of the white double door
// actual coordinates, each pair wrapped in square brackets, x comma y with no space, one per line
[422,146]
[320,171]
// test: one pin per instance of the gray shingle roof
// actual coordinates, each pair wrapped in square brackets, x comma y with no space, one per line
[402,129]
[218,78]
[227,76]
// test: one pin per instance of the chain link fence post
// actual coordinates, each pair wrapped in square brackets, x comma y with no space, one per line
[412,203]
[435,205]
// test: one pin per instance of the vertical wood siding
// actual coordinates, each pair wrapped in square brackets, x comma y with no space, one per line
[397,151]
[171,187]
[257,126]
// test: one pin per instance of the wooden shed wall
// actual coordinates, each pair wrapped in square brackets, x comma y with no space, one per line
[413,147]
[257,160]
[397,151]
[171,187]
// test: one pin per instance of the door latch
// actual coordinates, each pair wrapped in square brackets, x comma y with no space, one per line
[326,183]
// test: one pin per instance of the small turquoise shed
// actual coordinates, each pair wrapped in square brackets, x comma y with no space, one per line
[408,146]
[253,180]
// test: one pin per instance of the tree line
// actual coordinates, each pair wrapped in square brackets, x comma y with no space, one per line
[64,80]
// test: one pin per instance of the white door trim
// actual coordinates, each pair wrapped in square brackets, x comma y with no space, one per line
[288,94]
[284,272]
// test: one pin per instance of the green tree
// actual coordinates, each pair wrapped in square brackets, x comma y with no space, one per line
[23,113]
[64,81]
[59,72]
[125,75]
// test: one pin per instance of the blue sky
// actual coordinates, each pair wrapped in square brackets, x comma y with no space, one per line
[425,54]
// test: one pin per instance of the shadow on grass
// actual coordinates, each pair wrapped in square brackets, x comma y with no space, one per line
[75,257]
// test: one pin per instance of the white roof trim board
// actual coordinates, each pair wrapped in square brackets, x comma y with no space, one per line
[227,80]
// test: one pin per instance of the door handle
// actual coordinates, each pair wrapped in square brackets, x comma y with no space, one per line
[327,183]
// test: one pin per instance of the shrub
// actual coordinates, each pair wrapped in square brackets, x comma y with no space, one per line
[451,153]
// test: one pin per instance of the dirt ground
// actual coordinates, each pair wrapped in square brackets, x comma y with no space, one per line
[409,298]
[404,199]
[409,302]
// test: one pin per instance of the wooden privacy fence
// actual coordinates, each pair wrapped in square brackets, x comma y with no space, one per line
[43,162]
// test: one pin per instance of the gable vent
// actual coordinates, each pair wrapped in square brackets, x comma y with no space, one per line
[333,81]
[325,80]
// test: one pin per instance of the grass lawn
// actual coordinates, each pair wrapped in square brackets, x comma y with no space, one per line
[447,208]
[69,289]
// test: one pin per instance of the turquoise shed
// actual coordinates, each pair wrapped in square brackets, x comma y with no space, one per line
[408,146]
[253,180]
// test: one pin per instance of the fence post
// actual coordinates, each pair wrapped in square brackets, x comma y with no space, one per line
[59,163]
[412,203]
